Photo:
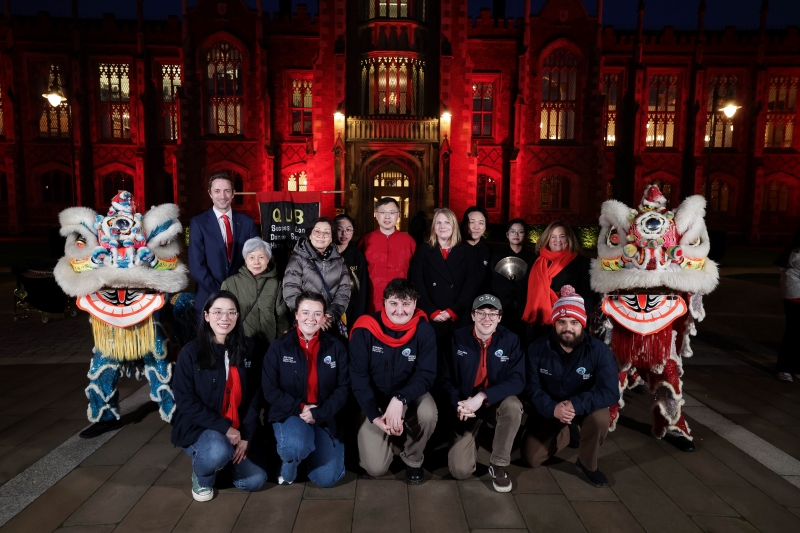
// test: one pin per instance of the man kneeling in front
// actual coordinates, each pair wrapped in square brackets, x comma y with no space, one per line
[485,373]
[572,379]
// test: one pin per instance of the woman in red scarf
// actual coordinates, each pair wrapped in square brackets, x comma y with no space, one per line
[559,263]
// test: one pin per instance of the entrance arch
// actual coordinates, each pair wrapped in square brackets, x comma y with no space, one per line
[395,183]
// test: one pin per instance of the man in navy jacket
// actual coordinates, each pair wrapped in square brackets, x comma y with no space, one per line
[572,379]
[484,374]
[216,238]
[392,368]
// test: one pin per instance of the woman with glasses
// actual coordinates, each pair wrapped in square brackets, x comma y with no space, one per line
[217,405]
[305,381]
[513,293]
[316,266]
[559,263]
[473,227]
[357,265]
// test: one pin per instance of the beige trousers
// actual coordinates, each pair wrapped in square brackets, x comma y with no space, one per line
[544,438]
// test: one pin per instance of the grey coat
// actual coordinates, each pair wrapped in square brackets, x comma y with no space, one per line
[301,276]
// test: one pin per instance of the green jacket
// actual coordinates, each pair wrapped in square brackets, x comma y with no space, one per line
[269,317]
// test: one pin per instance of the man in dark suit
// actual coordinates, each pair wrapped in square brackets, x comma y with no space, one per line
[216,239]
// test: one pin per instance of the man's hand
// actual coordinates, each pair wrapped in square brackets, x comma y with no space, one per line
[393,417]
[306,414]
[328,322]
[464,414]
[233,435]
[240,453]
[564,412]
[472,404]
[382,425]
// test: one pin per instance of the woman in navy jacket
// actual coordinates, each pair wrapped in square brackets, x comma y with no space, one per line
[305,381]
[218,402]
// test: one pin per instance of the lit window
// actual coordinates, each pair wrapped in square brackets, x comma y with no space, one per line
[482,109]
[781,110]
[56,187]
[297,182]
[390,178]
[559,95]
[776,197]
[388,8]
[720,196]
[301,106]
[723,126]
[610,91]
[115,100]
[393,86]
[487,192]
[662,111]
[554,193]
[225,90]
[664,186]
[170,81]
[53,121]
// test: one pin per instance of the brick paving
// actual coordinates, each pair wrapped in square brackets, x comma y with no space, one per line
[138,481]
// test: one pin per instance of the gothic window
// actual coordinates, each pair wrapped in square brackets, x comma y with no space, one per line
[559,95]
[301,106]
[114,101]
[225,89]
[55,187]
[662,111]
[776,197]
[664,186]
[390,178]
[297,182]
[113,182]
[720,196]
[393,8]
[482,95]
[781,110]
[53,121]
[487,192]
[3,188]
[610,91]
[170,81]
[554,192]
[723,127]
[393,86]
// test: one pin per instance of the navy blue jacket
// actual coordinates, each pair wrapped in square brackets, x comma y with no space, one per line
[505,366]
[208,258]
[199,395]
[379,372]
[589,380]
[284,379]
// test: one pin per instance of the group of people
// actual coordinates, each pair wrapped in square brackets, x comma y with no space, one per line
[426,338]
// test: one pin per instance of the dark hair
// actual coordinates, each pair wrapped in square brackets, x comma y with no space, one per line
[387,200]
[235,341]
[326,220]
[465,219]
[400,288]
[222,175]
[783,260]
[519,221]
[344,217]
[310,296]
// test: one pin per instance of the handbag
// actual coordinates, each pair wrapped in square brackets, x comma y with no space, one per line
[342,326]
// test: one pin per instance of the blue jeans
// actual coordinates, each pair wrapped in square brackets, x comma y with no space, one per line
[212,452]
[298,440]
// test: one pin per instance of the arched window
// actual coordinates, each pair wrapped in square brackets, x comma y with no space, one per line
[297,182]
[393,86]
[56,187]
[776,197]
[302,104]
[115,100]
[554,192]
[394,9]
[482,95]
[53,121]
[170,83]
[559,95]
[662,111]
[487,192]
[610,90]
[723,126]
[114,182]
[781,111]
[720,196]
[664,186]
[225,89]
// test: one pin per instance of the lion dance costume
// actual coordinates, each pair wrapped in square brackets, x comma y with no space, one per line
[119,267]
[653,270]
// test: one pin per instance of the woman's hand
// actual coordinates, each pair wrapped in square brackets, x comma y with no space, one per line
[306,414]
[233,435]
[443,316]
[327,324]
[240,453]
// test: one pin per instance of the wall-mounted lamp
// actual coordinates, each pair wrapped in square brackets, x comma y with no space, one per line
[55,93]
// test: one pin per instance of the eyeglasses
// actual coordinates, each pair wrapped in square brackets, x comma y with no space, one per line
[318,233]
[384,213]
[347,231]
[515,232]
[216,313]
[480,315]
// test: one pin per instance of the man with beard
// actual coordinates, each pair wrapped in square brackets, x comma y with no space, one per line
[571,379]
[393,366]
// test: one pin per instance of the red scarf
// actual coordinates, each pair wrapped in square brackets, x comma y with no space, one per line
[233,397]
[368,322]
[310,349]
[541,297]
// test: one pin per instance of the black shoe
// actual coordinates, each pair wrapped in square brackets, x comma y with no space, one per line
[596,478]
[98,428]
[414,476]
[682,443]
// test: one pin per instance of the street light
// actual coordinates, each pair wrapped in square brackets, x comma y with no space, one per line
[729,108]
[55,95]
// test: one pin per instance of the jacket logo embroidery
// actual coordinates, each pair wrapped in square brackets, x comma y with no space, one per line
[407,354]
[461,352]
[377,349]
[587,376]
[329,361]
[581,370]
[545,372]
[288,359]
[499,354]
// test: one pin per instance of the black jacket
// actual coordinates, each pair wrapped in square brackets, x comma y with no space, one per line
[505,366]
[199,395]
[379,371]
[285,379]
[484,254]
[451,284]
[357,263]
[588,379]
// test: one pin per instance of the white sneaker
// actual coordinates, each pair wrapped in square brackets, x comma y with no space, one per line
[281,481]
[785,376]
[201,494]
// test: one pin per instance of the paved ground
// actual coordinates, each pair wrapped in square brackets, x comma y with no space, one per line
[744,477]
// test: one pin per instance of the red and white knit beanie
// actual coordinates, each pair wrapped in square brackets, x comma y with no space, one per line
[569,305]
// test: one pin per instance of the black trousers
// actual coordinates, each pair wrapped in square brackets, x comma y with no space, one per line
[789,352]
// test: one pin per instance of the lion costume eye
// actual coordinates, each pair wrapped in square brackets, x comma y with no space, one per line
[612,237]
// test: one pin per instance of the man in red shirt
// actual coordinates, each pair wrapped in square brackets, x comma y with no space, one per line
[388,252]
